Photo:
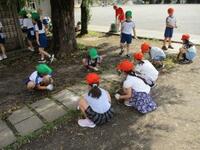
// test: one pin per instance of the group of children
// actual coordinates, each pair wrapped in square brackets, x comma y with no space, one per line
[138,75]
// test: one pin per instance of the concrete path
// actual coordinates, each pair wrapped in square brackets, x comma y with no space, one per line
[148,34]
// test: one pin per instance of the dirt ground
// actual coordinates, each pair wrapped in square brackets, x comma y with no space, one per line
[13,93]
[174,125]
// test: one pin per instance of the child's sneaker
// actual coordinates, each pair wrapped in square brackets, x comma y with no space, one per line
[126,103]
[170,47]
[128,56]
[1,58]
[86,123]
[51,58]
[31,49]
[42,61]
[164,48]
[4,57]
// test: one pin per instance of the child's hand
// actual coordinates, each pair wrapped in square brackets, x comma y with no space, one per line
[117,96]
[50,87]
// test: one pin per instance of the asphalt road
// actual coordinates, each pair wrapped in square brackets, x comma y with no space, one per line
[151,17]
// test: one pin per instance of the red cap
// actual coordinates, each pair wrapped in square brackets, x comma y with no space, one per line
[185,37]
[145,47]
[138,56]
[170,10]
[92,78]
[125,66]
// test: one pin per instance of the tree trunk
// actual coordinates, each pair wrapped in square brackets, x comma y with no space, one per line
[64,37]
[84,16]
[167,1]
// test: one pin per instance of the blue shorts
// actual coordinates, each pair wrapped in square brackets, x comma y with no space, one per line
[2,39]
[31,34]
[159,58]
[126,38]
[43,40]
[168,32]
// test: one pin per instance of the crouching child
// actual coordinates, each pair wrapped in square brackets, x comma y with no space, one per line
[41,79]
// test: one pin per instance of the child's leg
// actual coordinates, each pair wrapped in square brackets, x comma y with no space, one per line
[83,105]
[128,49]
[30,85]
[43,53]
[3,49]
[30,44]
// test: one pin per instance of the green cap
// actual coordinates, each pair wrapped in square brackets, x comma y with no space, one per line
[128,13]
[43,69]
[35,16]
[22,12]
[93,53]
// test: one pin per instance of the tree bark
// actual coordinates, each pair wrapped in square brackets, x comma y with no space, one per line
[84,16]
[64,37]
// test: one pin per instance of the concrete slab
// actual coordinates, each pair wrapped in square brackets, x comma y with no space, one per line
[42,105]
[53,113]
[7,137]
[29,125]
[110,77]
[48,109]
[174,51]
[2,125]
[80,89]
[68,98]
[20,115]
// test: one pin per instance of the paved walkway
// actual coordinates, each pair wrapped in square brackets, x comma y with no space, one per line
[34,116]
[148,34]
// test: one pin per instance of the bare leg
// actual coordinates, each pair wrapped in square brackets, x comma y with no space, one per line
[128,48]
[30,44]
[3,49]
[30,85]
[44,53]
[83,105]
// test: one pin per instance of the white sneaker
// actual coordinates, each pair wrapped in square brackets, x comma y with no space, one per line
[31,49]
[51,58]
[4,57]
[1,58]
[126,103]
[86,123]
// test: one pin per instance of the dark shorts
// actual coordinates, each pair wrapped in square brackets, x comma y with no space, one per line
[168,32]
[97,118]
[43,41]
[31,34]
[126,38]
[2,40]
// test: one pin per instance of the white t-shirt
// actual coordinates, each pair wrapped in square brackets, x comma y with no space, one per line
[171,20]
[136,84]
[1,26]
[100,105]
[147,71]
[156,52]
[40,31]
[36,78]
[127,27]
[28,23]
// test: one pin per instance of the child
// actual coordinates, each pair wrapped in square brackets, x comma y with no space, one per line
[40,79]
[2,42]
[119,16]
[41,38]
[96,104]
[156,54]
[93,60]
[135,90]
[126,33]
[170,25]
[145,70]
[78,27]
[28,27]
[188,51]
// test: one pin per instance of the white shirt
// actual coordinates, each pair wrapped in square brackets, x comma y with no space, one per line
[100,105]
[36,78]
[147,71]
[1,26]
[127,27]
[171,20]
[28,23]
[136,84]
[40,31]
[156,52]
